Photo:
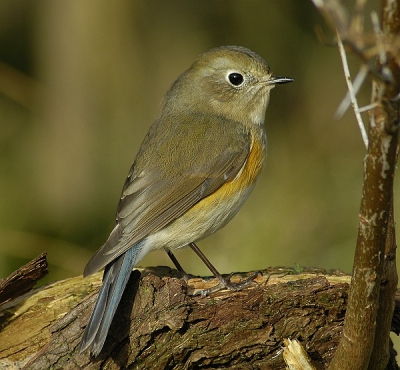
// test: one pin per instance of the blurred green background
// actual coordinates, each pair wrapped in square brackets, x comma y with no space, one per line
[82,81]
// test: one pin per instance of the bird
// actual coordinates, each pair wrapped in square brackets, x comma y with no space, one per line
[195,168]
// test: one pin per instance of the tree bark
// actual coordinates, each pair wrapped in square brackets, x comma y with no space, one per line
[160,324]
[24,279]
[365,342]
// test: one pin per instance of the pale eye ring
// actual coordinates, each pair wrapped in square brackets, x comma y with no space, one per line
[235,78]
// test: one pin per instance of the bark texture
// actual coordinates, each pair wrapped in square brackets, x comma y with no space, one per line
[24,279]
[161,325]
[365,343]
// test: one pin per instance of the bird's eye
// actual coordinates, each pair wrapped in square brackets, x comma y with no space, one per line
[236,79]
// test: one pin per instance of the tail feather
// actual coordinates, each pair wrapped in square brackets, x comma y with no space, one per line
[116,276]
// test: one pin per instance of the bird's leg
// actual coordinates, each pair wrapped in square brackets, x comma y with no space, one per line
[223,283]
[177,264]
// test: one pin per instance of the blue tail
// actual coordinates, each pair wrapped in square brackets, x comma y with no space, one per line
[115,278]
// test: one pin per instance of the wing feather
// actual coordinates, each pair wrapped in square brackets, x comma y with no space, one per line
[167,178]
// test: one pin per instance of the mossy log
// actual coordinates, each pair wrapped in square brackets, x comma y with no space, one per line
[162,324]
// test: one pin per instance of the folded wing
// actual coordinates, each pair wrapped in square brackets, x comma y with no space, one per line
[165,182]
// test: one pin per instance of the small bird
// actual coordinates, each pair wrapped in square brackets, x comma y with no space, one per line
[194,170]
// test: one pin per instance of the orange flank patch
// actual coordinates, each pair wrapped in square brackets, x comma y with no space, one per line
[245,178]
[251,168]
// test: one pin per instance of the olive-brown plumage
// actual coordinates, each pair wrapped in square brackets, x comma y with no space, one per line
[194,170]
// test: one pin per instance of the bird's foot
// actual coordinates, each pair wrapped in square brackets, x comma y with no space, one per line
[226,283]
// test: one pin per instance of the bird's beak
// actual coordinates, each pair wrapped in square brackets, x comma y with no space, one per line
[274,80]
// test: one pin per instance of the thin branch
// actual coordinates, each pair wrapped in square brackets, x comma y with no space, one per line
[352,91]
[367,107]
[335,14]
[365,340]
[357,83]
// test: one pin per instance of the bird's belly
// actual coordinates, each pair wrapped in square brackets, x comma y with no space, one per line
[202,220]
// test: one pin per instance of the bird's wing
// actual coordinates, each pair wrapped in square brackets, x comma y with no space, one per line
[170,175]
